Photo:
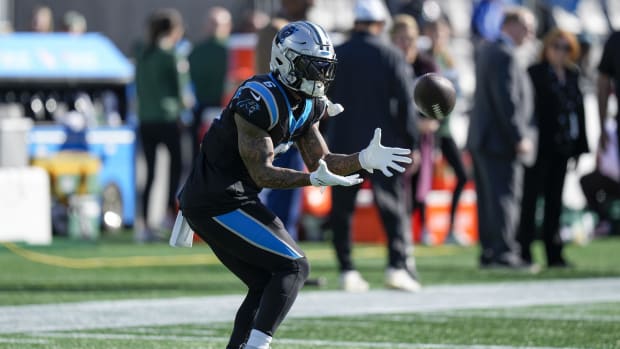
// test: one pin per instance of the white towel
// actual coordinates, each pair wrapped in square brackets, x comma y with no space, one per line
[182,235]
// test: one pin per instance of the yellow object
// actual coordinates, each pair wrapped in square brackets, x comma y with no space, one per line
[71,172]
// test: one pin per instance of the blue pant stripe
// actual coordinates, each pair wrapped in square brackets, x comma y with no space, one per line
[255,233]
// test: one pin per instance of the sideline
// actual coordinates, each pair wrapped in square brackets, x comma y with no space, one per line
[187,260]
[111,262]
[312,304]
[311,343]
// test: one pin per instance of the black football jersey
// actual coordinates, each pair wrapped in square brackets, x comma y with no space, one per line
[219,181]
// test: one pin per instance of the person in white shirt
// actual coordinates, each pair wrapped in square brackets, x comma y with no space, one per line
[602,186]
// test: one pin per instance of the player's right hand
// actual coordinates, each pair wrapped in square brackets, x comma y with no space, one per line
[323,177]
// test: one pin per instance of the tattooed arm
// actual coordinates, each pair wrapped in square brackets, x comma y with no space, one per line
[312,148]
[256,149]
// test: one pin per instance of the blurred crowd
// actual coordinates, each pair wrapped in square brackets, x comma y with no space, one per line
[527,120]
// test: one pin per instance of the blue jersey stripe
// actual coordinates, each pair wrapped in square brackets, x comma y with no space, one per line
[256,233]
[269,99]
[293,125]
[296,125]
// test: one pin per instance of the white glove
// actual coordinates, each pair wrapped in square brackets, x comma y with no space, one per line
[333,109]
[323,177]
[376,156]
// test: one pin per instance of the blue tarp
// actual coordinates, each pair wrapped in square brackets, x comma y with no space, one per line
[568,5]
[61,57]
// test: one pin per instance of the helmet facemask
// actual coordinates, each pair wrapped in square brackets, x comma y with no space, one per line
[312,75]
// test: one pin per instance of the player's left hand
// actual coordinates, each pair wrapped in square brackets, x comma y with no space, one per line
[378,157]
[323,177]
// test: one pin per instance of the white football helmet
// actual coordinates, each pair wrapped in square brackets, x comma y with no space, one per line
[303,58]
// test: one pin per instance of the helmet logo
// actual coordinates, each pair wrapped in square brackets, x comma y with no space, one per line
[286,32]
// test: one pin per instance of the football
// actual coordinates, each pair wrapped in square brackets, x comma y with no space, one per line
[434,95]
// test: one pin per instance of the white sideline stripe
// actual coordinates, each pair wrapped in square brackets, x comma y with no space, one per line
[536,316]
[23,341]
[311,304]
[311,342]
[124,336]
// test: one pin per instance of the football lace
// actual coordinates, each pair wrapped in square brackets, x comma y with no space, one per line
[437,111]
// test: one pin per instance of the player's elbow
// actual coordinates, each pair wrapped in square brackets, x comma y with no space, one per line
[312,165]
[260,176]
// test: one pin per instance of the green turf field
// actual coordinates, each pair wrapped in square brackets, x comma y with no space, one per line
[115,269]
[588,326]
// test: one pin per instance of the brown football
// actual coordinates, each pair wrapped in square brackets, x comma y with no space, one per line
[434,95]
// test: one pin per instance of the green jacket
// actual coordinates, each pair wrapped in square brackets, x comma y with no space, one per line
[208,65]
[160,76]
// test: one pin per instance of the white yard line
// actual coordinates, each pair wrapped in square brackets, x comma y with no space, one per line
[312,343]
[23,341]
[555,316]
[202,310]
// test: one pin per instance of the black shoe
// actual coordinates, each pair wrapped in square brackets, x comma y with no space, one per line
[485,259]
[526,256]
[560,264]
[511,264]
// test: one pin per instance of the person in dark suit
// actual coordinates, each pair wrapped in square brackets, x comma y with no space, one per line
[560,115]
[608,82]
[499,138]
[376,89]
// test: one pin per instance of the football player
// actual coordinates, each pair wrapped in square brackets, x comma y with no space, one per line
[267,114]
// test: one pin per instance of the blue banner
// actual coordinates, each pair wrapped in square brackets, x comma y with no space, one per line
[62,57]
[568,5]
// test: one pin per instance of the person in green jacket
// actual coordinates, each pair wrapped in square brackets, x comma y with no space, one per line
[208,65]
[160,76]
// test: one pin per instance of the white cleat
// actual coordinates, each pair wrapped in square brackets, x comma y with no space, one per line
[400,279]
[352,281]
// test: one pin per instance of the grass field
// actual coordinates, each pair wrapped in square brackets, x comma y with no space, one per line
[115,269]
[595,326]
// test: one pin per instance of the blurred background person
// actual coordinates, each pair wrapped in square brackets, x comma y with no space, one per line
[413,8]
[560,116]
[160,77]
[422,179]
[74,22]
[438,30]
[404,34]
[208,65]
[42,19]
[486,20]
[602,186]
[374,85]
[285,203]
[500,136]
[608,82]
[290,11]
[252,21]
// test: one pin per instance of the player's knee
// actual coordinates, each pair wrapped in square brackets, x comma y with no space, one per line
[303,268]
